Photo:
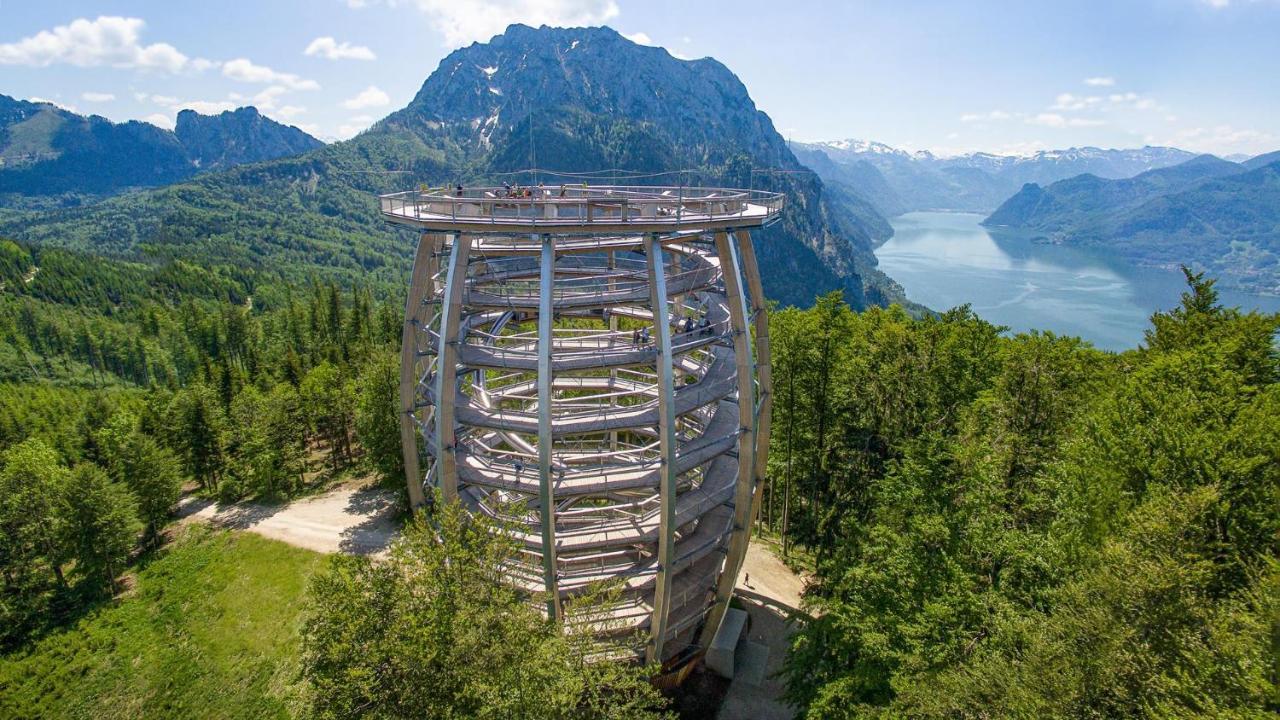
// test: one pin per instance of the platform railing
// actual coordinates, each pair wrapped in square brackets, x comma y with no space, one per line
[609,204]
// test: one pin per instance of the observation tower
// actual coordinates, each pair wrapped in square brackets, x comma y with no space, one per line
[579,362]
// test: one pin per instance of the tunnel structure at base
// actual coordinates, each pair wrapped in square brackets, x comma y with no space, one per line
[581,364]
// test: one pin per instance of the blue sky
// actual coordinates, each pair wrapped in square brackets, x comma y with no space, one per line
[946,76]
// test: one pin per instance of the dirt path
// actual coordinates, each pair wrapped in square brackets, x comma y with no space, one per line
[770,592]
[764,574]
[352,519]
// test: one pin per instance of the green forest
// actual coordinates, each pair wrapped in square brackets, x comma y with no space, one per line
[998,526]
[1016,527]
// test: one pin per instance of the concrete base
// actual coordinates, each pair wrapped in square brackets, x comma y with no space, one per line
[720,655]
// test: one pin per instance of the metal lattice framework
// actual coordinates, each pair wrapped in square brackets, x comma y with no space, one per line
[586,355]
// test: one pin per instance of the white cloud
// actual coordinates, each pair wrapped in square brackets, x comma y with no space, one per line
[346,131]
[465,21]
[1217,3]
[327,47]
[994,115]
[1222,140]
[1133,100]
[108,40]
[96,97]
[1024,149]
[245,71]
[207,107]
[1053,120]
[1067,101]
[160,120]
[370,97]
[354,126]
[55,103]
[264,100]
[288,111]
[642,38]
[1100,81]
[159,99]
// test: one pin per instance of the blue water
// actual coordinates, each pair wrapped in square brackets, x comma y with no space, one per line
[948,259]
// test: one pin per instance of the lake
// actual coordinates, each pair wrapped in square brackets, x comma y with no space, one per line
[947,259]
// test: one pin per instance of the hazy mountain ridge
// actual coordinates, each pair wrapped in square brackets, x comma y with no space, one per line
[1211,213]
[974,182]
[237,137]
[46,151]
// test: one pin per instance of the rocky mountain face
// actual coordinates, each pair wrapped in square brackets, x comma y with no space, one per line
[47,152]
[236,137]
[570,82]
[587,99]
[1211,213]
[976,182]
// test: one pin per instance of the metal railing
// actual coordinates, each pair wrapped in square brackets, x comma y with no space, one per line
[575,205]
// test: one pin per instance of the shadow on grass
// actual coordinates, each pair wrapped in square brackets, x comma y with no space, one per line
[82,599]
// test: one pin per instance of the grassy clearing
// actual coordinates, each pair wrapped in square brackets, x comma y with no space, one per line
[210,630]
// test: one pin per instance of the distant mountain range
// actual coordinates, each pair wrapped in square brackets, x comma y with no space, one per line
[48,152]
[895,181]
[1207,212]
[574,100]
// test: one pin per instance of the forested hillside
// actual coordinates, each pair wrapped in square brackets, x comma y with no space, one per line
[1028,527]
[122,382]
[1214,214]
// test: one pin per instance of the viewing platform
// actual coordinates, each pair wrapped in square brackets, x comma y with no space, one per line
[581,209]
[589,366]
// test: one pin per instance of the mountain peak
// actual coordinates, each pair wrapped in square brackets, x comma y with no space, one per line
[485,97]
[238,136]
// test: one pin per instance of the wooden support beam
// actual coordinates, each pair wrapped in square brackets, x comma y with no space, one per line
[667,444]
[739,317]
[764,371]
[418,317]
[446,390]
[546,496]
